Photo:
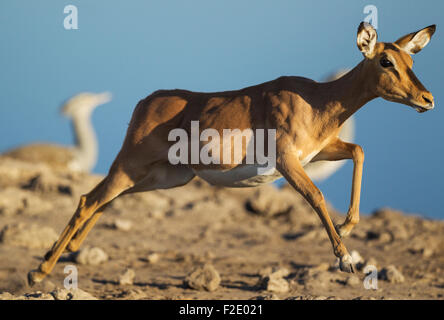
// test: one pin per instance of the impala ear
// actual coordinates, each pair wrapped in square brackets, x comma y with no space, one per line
[415,41]
[366,39]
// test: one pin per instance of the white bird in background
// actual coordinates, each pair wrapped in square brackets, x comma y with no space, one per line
[321,170]
[80,157]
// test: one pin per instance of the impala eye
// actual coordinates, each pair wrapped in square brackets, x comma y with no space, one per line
[385,63]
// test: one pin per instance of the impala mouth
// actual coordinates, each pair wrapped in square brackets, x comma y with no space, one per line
[422,109]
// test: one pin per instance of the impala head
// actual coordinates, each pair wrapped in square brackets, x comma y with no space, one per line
[388,66]
[84,103]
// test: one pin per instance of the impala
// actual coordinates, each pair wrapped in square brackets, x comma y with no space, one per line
[306,115]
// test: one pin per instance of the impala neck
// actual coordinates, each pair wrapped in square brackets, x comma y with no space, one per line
[347,94]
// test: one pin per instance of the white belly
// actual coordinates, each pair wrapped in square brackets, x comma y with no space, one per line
[245,175]
[241,176]
[308,158]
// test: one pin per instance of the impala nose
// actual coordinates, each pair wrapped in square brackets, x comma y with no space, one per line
[428,99]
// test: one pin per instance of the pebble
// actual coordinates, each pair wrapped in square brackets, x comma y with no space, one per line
[72,294]
[157,214]
[399,232]
[352,281]
[128,277]
[28,236]
[424,249]
[122,224]
[153,258]
[90,256]
[38,295]
[370,262]
[427,252]
[209,255]
[314,279]
[385,237]
[268,201]
[271,296]
[58,294]
[275,272]
[133,294]
[6,296]
[279,285]
[17,201]
[356,257]
[310,297]
[272,279]
[203,278]
[392,275]
[324,266]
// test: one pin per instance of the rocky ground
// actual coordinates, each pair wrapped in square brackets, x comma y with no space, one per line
[202,242]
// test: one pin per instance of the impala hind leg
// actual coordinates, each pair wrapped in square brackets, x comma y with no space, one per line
[161,176]
[103,193]
[289,166]
[79,237]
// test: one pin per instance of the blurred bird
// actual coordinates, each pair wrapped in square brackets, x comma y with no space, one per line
[80,157]
[321,170]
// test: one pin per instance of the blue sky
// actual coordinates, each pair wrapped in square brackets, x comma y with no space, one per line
[132,48]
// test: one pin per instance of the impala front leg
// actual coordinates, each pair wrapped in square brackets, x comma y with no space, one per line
[290,167]
[340,150]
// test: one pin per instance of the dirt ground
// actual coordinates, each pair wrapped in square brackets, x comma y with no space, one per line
[263,243]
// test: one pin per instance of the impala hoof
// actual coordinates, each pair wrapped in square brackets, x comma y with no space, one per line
[35,276]
[346,264]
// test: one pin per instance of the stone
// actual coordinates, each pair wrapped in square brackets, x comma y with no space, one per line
[427,252]
[274,272]
[399,232]
[128,277]
[279,285]
[203,278]
[209,255]
[72,294]
[356,257]
[265,272]
[185,258]
[352,281]
[153,258]
[7,296]
[271,296]
[370,262]
[17,201]
[392,275]
[385,237]
[312,278]
[90,256]
[272,279]
[132,294]
[310,297]
[386,214]
[36,296]
[424,249]
[324,266]
[316,234]
[58,294]
[28,236]
[122,224]
[49,182]
[157,214]
[269,201]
